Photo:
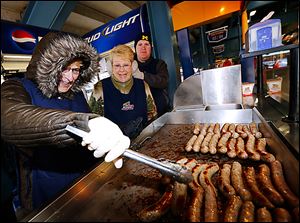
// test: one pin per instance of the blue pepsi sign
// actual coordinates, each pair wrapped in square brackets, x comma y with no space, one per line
[120,30]
[20,38]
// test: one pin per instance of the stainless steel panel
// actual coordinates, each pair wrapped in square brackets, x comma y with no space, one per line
[211,87]
[222,85]
[190,107]
[223,107]
[282,153]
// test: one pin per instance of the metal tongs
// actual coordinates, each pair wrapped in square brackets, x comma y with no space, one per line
[176,171]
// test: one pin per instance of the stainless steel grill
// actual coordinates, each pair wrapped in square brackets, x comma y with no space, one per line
[108,194]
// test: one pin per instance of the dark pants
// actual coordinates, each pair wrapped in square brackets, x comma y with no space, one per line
[8,212]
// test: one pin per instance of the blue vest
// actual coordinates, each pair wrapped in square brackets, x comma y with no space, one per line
[53,169]
[78,104]
[123,108]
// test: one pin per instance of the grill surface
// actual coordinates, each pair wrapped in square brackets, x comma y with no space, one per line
[109,194]
[136,185]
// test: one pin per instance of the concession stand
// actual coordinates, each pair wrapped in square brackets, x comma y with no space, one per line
[109,194]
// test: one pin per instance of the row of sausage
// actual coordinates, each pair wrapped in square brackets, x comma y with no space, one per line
[246,194]
[242,140]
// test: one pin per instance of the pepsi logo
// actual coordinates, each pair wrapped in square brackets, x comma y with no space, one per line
[24,39]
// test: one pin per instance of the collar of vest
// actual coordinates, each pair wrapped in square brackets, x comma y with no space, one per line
[123,87]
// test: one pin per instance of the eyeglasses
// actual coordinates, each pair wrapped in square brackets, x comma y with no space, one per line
[75,71]
[118,66]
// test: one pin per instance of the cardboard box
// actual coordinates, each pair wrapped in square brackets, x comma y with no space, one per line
[264,35]
[274,85]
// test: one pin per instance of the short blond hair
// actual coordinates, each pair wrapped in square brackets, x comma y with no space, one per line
[123,51]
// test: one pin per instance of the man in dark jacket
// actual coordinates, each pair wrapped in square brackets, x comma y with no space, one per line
[36,109]
[153,71]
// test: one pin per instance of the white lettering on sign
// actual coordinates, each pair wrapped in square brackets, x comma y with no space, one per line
[110,29]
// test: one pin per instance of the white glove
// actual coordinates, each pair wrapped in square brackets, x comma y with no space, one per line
[105,136]
[136,72]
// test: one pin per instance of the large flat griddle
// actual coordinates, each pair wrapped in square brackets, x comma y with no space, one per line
[111,195]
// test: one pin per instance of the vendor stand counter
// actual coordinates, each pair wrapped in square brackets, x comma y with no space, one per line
[108,194]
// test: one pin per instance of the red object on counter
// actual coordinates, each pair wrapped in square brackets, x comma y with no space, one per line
[226,63]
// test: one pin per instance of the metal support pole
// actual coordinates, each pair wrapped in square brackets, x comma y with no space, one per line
[259,69]
[185,52]
[293,114]
[48,14]
[164,40]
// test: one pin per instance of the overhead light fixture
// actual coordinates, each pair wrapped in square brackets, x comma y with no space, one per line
[267,16]
[16,57]
[252,13]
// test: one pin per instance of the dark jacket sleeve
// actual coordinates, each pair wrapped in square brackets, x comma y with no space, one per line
[161,79]
[27,125]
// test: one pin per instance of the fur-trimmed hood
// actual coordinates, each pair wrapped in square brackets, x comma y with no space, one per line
[52,54]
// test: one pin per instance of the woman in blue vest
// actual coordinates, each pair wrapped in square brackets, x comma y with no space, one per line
[124,100]
[36,109]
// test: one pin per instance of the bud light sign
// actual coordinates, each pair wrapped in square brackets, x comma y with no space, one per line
[19,38]
[119,31]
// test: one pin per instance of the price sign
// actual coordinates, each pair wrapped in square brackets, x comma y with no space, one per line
[218,49]
[217,35]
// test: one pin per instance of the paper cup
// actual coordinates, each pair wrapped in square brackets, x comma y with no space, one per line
[247,88]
